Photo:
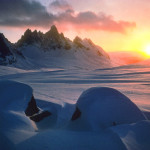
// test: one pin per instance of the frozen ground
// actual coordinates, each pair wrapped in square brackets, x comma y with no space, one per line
[57,90]
[65,85]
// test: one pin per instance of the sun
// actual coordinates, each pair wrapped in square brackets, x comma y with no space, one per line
[147,50]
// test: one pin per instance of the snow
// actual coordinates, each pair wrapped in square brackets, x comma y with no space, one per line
[102,107]
[14,98]
[125,58]
[66,140]
[135,136]
[14,95]
[59,90]
[37,57]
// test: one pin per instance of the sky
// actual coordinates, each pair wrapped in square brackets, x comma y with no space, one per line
[115,25]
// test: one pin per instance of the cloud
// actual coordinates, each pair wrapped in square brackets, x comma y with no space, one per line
[31,13]
[61,5]
[91,21]
[23,13]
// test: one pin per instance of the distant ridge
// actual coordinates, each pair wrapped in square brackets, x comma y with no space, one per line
[52,49]
[8,52]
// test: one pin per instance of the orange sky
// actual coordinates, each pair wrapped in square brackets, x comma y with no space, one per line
[115,25]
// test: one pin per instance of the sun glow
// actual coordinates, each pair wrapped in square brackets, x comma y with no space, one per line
[147,50]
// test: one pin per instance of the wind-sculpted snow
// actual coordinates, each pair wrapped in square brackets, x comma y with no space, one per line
[102,107]
[106,125]
[135,136]
[14,95]
[14,99]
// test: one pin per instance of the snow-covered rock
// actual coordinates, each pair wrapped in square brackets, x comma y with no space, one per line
[103,107]
[9,54]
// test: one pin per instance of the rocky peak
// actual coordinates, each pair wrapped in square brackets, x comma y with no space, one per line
[52,38]
[35,33]
[4,48]
[52,33]
[28,32]
[89,41]
[54,29]
[2,35]
[77,39]
[78,42]
[6,55]
[29,38]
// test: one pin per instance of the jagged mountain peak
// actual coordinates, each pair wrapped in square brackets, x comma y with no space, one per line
[52,34]
[2,35]
[77,38]
[28,32]
[89,41]
[53,40]
[35,46]
[6,55]
[4,47]
[29,38]
[54,28]
[78,42]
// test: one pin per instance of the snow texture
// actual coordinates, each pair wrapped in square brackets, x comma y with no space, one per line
[109,120]
[103,107]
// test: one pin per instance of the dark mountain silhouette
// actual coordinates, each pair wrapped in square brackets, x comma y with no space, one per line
[50,40]
[6,54]
[30,37]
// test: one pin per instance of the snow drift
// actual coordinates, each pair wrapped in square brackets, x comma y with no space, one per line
[107,120]
[102,107]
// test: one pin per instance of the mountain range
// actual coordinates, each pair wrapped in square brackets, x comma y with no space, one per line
[52,49]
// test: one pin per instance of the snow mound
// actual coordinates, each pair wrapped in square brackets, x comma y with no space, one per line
[103,107]
[14,95]
[14,99]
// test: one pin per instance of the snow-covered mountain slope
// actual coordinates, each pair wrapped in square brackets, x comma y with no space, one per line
[6,55]
[79,58]
[8,52]
[52,49]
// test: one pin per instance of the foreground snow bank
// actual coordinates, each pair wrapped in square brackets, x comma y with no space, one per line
[107,120]
[135,136]
[14,124]
[103,107]
[14,95]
